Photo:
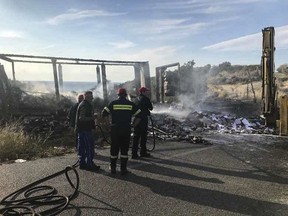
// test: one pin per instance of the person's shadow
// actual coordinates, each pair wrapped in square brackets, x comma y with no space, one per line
[208,197]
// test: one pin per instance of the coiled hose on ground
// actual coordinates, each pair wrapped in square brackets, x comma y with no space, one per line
[38,197]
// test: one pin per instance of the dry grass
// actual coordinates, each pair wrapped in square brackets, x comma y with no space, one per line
[237,91]
[16,144]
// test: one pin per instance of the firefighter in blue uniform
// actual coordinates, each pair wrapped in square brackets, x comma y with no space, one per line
[122,111]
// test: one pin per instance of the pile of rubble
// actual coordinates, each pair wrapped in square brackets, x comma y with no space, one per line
[45,125]
[39,114]
[170,124]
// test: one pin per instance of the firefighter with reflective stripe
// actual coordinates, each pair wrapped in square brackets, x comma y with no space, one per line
[84,126]
[121,111]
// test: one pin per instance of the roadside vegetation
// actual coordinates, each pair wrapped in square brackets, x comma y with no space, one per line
[16,143]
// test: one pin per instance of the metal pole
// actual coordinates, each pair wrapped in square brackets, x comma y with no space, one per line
[137,77]
[142,76]
[98,74]
[179,84]
[162,70]
[157,85]
[60,77]
[55,79]
[13,71]
[146,73]
[104,82]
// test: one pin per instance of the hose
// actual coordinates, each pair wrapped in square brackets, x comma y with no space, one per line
[153,135]
[48,197]
[103,134]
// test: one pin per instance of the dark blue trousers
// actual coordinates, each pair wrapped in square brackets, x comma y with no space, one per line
[86,147]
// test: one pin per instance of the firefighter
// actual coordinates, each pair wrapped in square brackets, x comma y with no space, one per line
[122,111]
[140,132]
[84,126]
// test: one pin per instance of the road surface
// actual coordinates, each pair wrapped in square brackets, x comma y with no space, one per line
[235,175]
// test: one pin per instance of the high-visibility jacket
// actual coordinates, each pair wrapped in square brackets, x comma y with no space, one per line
[122,111]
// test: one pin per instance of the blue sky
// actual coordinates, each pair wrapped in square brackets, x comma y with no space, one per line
[158,31]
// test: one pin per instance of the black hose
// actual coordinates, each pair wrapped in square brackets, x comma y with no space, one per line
[103,134]
[153,135]
[14,205]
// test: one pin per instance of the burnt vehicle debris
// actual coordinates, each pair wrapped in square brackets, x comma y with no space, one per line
[185,125]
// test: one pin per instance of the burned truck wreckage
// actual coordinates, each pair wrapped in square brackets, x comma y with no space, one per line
[175,117]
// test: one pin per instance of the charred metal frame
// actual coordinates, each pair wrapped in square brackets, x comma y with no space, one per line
[160,80]
[5,94]
[141,68]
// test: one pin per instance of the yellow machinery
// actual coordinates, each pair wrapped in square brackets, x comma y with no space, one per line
[275,111]
[283,121]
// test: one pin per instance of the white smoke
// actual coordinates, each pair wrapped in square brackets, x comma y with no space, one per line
[175,110]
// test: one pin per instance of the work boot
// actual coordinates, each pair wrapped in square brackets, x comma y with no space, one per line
[146,154]
[113,162]
[123,167]
[135,156]
[124,172]
[112,169]
[83,166]
[93,167]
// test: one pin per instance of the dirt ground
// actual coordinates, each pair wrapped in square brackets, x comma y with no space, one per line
[241,108]
[270,152]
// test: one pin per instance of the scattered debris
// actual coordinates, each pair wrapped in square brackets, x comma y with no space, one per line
[174,126]
[45,124]
[20,161]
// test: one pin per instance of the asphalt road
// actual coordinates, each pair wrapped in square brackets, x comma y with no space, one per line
[236,175]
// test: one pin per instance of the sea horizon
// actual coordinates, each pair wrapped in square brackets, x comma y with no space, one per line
[68,86]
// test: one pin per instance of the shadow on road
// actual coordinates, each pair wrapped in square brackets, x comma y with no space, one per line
[79,208]
[152,167]
[160,170]
[251,174]
[206,197]
[201,196]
